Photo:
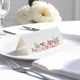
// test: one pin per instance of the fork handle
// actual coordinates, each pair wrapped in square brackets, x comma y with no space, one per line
[43,77]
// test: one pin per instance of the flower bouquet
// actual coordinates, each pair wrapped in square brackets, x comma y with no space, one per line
[37,12]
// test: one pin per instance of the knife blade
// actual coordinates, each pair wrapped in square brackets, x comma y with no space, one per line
[30,28]
[9,32]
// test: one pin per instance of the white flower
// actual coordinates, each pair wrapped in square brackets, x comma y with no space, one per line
[23,15]
[40,11]
[44,12]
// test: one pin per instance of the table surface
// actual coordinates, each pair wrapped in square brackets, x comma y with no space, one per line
[70,27]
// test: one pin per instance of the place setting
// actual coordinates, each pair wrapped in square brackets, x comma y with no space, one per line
[47,52]
[44,48]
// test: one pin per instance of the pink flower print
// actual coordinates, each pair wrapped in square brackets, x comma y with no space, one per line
[53,45]
[46,45]
[53,41]
[41,48]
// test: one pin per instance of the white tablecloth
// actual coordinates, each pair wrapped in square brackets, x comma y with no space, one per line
[70,27]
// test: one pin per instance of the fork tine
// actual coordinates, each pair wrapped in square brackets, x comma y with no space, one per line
[12,64]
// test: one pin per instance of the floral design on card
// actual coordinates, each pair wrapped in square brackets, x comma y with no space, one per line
[46,45]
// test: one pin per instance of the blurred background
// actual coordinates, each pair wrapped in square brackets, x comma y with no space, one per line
[68,9]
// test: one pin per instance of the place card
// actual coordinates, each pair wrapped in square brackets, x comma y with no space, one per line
[38,41]
[9,43]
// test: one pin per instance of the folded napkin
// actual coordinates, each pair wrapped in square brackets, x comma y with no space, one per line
[66,63]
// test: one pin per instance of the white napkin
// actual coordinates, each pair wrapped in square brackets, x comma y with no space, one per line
[65,63]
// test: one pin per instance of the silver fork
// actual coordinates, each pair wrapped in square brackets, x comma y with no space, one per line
[19,68]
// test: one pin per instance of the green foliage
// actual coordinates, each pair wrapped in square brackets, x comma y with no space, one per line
[31,1]
[36,45]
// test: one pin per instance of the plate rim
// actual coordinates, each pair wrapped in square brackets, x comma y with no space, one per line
[30,59]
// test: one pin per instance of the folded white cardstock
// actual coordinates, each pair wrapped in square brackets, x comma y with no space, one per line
[39,41]
[8,43]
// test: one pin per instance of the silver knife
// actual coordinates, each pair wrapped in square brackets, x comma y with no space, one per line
[9,32]
[30,28]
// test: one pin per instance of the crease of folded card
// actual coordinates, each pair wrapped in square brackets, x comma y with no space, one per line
[66,63]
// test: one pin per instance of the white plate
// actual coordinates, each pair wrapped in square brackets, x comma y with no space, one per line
[69,43]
